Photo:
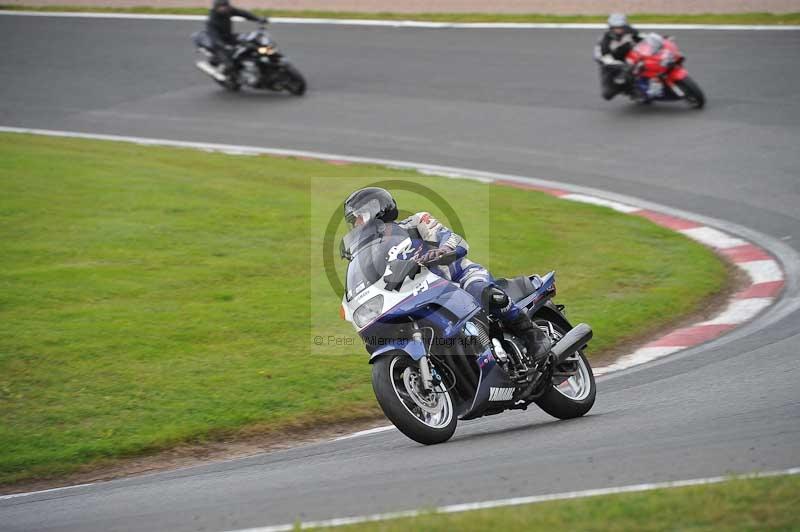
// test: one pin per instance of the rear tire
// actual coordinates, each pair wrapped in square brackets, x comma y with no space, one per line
[693,93]
[389,385]
[230,86]
[559,404]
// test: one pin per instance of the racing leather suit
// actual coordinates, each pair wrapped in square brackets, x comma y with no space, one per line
[471,276]
[220,30]
[474,278]
[610,52]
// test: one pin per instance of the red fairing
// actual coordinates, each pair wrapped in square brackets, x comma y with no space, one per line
[653,63]
[677,74]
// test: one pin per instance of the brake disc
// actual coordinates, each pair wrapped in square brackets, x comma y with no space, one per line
[430,402]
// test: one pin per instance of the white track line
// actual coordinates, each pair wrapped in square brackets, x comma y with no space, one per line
[640,356]
[713,237]
[762,271]
[594,200]
[367,432]
[740,311]
[15,495]
[410,23]
[516,501]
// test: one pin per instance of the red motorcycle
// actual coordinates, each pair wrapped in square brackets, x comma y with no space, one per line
[656,67]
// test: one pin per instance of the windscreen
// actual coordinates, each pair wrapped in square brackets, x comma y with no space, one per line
[654,42]
[371,247]
[360,236]
[264,38]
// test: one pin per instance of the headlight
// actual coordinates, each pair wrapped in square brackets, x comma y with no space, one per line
[266,50]
[368,311]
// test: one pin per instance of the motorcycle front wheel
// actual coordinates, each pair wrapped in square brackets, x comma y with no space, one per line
[425,417]
[692,91]
[295,83]
[573,389]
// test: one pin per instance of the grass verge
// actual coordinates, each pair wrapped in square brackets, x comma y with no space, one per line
[153,296]
[636,18]
[763,504]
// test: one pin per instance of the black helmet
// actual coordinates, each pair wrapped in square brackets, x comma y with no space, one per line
[369,203]
[221,3]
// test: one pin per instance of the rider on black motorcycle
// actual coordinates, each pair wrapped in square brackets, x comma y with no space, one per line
[610,52]
[220,30]
[376,203]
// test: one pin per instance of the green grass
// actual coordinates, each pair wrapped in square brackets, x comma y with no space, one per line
[636,18]
[757,505]
[151,296]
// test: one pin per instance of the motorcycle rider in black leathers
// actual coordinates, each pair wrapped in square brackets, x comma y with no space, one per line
[220,30]
[610,52]
[436,240]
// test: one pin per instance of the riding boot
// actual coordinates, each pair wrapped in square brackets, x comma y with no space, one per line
[536,340]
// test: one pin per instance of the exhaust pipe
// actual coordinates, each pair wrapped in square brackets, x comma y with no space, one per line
[211,71]
[574,340]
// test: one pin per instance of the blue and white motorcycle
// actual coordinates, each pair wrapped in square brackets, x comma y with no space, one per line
[437,356]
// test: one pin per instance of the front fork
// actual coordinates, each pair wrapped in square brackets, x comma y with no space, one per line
[675,88]
[671,78]
[424,363]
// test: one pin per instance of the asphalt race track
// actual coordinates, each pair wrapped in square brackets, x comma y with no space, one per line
[516,101]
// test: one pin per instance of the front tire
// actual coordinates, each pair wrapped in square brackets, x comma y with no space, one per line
[574,396]
[692,92]
[425,418]
[296,83]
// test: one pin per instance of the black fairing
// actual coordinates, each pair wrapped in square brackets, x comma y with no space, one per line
[401,270]
[551,312]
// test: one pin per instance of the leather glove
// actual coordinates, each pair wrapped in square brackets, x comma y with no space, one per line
[433,255]
[608,59]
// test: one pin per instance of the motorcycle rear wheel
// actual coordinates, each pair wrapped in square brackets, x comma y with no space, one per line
[427,418]
[230,86]
[693,93]
[574,396]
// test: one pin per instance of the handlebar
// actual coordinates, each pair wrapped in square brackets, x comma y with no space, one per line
[444,260]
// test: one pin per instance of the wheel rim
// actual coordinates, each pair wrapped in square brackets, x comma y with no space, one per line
[433,409]
[577,386]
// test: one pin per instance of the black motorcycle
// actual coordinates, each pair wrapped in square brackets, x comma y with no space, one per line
[257,63]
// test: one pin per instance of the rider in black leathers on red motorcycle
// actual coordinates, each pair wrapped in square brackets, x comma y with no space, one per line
[610,52]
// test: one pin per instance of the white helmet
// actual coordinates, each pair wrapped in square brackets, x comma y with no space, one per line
[617,20]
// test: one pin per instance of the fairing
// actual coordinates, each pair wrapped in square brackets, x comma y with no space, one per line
[491,377]
[655,60]
[412,348]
